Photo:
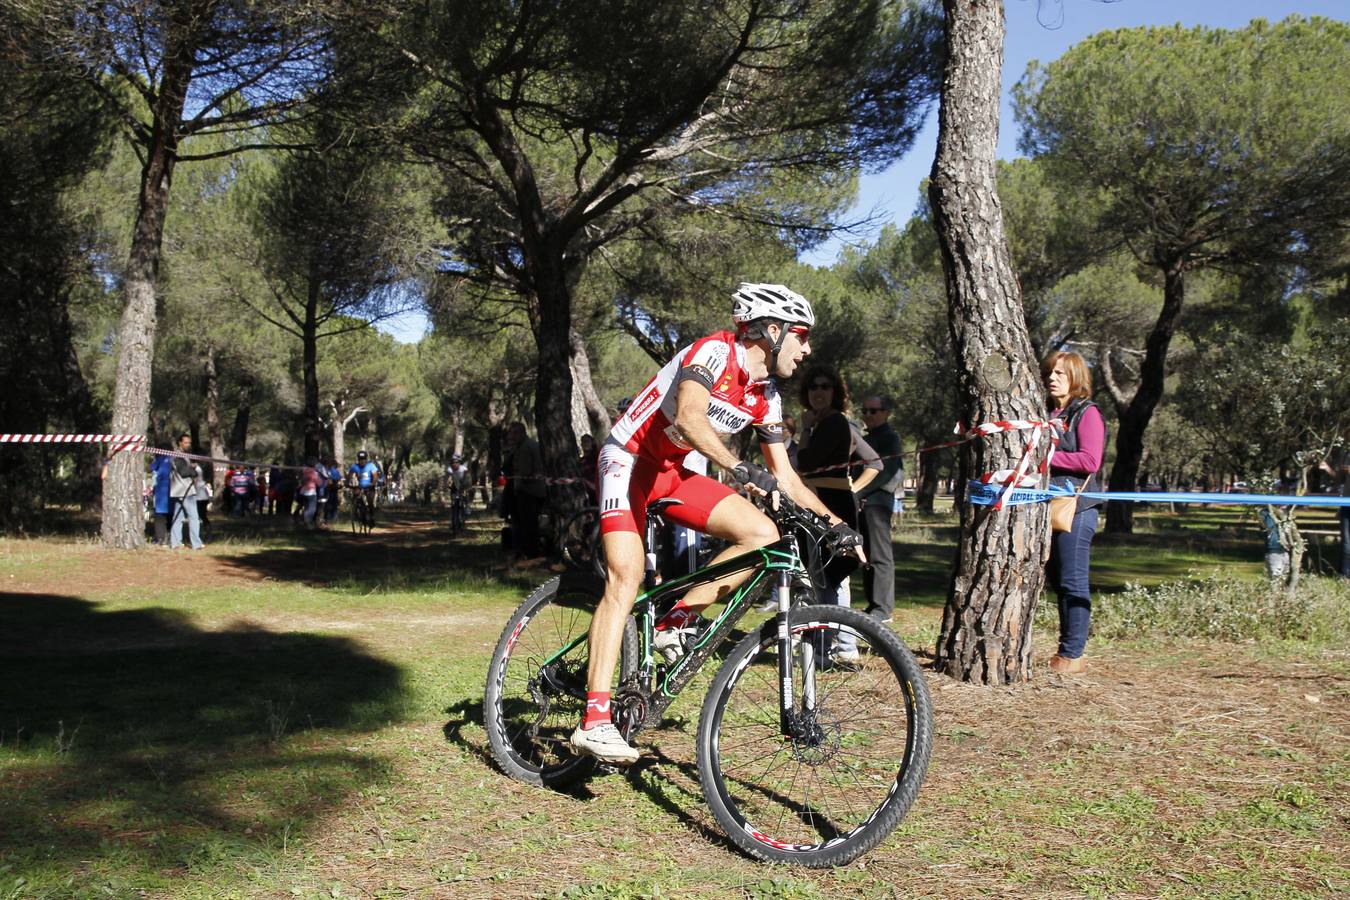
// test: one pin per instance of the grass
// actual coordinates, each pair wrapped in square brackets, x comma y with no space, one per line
[298,715]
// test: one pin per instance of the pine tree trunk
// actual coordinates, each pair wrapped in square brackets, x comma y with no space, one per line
[214,436]
[926,487]
[1134,418]
[123,516]
[553,385]
[594,418]
[309,337]
[999,569]
[239,433]
[75,389]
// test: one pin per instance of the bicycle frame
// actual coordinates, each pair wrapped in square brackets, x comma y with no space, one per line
[780,560]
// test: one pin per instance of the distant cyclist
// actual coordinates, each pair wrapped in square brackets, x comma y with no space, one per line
[365,475]
[719,385]
[458,475]
[460,482]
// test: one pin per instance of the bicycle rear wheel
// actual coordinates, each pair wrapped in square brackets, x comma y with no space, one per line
[535,696]
[833,783]
[579,544]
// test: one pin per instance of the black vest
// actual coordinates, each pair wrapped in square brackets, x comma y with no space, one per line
[1068,443]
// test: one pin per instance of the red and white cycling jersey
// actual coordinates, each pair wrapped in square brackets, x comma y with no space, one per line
[647,429]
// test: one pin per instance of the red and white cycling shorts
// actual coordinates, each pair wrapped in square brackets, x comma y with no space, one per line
[629,482]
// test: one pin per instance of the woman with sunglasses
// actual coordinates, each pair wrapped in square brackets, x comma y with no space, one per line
[826,445]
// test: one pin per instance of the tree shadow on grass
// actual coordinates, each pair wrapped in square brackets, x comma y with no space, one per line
[131,741]
[412,552]
[666,782]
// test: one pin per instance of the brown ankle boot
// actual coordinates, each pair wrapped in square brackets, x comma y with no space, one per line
[1063,665]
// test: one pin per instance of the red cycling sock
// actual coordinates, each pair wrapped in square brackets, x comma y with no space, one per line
[678,617]
[597,709]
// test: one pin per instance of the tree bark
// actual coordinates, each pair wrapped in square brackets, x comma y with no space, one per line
[239,434]
[341,419]
[1134,417]
[309,337]
[553,386]
[123,520]
[75,390]
[594,418]
[999,568]
[215,438]
[926,487]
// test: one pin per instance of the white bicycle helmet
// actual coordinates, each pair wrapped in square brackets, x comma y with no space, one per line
[770,301]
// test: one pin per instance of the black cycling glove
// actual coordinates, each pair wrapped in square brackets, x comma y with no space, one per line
[844,538]
[749,473]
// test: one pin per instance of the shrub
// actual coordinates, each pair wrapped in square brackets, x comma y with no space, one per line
[419,477]
[1224,608]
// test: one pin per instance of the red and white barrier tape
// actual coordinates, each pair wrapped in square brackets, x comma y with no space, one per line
[1009,478]
[117,442]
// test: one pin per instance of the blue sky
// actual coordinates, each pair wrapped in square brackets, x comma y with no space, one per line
[1039,30]
[1042,30]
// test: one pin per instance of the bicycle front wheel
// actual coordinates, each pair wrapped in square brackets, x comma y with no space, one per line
[828,781]
[536,684]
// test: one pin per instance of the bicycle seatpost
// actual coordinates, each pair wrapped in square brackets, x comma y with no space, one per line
[650,576]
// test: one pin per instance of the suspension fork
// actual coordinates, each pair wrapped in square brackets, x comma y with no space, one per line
[790,717]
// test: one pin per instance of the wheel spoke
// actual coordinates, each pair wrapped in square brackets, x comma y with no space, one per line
[836,771]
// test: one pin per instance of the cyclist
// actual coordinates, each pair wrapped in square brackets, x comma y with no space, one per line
[459,478]
[716,386]
[365,475]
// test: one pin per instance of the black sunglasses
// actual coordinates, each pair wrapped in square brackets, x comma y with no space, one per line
[821,386]
[872,409]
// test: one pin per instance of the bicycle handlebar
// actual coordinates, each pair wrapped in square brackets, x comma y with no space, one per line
[787,513]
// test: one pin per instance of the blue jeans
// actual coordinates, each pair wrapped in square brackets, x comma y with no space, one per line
[184,510]
[311,502]
[1070,559]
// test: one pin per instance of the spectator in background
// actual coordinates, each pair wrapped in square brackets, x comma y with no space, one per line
[183,498]
[826,445]
[528,491]
[270,482]
[878,504]
[241,485]
[288,479]
[309,483]
[790,439]
[202,485]
[1074,463]
[333,494]
[258,492]
[160,469]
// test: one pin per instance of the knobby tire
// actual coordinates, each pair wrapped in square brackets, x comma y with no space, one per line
[529,714]
[820,800]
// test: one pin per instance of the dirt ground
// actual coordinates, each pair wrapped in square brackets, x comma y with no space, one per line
[1219,758]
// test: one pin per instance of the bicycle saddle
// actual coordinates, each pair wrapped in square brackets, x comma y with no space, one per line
[657,507]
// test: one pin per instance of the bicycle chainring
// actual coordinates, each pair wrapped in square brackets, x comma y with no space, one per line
[630,706]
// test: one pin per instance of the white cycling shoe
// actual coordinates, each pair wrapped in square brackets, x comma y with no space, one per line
[670,644]
[604,743]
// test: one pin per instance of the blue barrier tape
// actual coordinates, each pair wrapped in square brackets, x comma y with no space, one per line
[988,494]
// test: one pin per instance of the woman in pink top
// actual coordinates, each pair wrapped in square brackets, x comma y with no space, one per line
[310,481]
[1077,460]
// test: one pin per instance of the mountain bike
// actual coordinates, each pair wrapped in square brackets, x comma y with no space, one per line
[459,511]
[579,542]
[802,757]
[363,510]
